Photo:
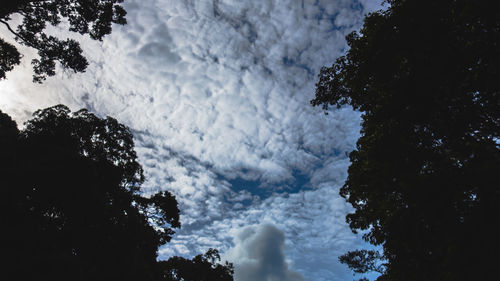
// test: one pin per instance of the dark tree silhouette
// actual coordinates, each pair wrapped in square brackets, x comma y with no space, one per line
[93,17]
[201,268]
[424,177]
[363,261]
[71,207]
[71,203]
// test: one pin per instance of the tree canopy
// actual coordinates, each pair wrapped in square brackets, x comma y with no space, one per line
[201,268]
[71,203]
[92,17]
[424,176]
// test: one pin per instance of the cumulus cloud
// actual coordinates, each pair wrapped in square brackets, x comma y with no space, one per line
[259,255]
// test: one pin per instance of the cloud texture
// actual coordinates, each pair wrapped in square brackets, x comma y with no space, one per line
[217,95]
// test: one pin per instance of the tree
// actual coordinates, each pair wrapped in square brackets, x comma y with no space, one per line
[72,209]
[71,202]
[71,206]
[201,268]
[424,176]
[92,17]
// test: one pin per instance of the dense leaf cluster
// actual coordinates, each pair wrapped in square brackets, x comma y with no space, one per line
[92,17]
[201,268]
[424,176]
[9,57]
[71,207]
[363,261]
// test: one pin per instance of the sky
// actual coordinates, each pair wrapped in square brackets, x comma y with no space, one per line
[216,93]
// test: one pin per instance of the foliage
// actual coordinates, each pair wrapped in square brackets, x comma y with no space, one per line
[9,56]
[362,261]
[92,17]
[424,177]
[71,202]
[201,268]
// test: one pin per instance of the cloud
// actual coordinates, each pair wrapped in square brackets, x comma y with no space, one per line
[217,95]
[259,255]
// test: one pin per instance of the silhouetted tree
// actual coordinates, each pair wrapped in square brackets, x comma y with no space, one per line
[93,17]
[424,177]
[71,207]
[201,268]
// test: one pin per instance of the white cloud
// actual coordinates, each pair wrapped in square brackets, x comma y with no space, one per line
[259,255]
[217,94]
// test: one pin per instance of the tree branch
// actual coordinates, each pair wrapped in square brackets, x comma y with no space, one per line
[17,34]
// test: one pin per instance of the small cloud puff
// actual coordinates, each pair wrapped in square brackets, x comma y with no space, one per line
[259,255]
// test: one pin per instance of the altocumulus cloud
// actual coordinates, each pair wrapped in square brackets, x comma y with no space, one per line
[217,95]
